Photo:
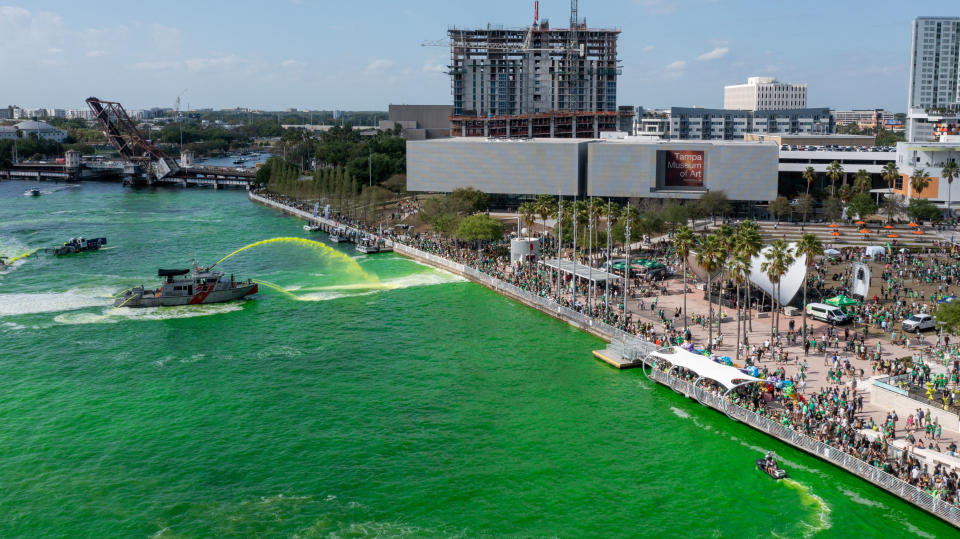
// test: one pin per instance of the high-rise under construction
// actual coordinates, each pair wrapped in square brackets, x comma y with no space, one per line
[534,82]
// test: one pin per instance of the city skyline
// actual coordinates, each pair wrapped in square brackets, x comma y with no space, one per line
[324,55]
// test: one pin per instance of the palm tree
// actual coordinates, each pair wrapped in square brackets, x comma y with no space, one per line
[527,211]
[749,244]
[890,173]
[545,207]
[810,247]
[777,261]
[683,241]
[740,271]
[918,182]
[809,176]
[861,181]
[949,172]
[834,172]
[711,255]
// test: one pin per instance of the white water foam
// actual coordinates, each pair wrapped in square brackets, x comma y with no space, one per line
[857,498]
[113,316]
[52,302]
[918,532]
[809,499]
[680,413]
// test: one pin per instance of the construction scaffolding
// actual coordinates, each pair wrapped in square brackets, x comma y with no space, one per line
[536,81]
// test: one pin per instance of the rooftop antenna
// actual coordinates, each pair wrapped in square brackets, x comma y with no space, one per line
[536,12]
[573,14]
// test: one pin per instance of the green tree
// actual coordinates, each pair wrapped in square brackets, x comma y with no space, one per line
[863,205]
[780,207]
[480,228]
[949,172]
[948,314]
[775,265]
[711,256]
[833,208]
[834,172]
[683,242]
[474,200]
[805,206]
[445,223]
[674,215]
[892,205]
[921,209]
[715,203]
[810,247]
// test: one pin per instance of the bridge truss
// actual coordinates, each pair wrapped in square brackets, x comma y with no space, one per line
[126,138]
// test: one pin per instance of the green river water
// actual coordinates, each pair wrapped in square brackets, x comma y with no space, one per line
[412,403]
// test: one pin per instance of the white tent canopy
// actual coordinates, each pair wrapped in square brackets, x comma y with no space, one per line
[728,377]
[582,271]
[875,250]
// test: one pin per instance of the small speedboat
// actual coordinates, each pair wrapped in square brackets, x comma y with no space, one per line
[32,192]
[338,235]
[312,228]
[770,467]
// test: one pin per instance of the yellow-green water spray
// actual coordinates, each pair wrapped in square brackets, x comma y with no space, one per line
[278,288]
[24,255]
[322,247]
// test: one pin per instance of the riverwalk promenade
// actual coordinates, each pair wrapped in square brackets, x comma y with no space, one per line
[628,347]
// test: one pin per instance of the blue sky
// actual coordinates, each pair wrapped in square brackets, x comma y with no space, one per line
[365,54]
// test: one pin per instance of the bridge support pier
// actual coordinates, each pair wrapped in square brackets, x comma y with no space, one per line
[216,185]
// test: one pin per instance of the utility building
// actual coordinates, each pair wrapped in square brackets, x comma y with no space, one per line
[536,81]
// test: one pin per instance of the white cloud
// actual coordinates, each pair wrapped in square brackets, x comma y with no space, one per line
[648,48]
[433,67]
[23,33]
[379,65]
[205,64]
[676,66]
[293,64]
[715,54]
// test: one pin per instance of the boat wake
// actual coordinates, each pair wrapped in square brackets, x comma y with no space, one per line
[113,316]
[71,300]
[810,500]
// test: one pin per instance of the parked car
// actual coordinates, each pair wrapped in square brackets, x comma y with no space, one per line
[919,322]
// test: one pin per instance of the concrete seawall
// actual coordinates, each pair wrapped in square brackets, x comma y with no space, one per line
[855,466]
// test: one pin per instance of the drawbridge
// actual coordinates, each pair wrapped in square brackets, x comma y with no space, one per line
[153,164]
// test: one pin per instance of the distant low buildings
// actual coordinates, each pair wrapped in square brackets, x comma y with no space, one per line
[726,124]
[764,93]
[42,130]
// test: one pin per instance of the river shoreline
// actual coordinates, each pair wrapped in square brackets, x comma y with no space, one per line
[642,349]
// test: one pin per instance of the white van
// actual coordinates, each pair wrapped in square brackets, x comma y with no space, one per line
[826,313]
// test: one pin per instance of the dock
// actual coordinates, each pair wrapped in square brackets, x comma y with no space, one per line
[616,354]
